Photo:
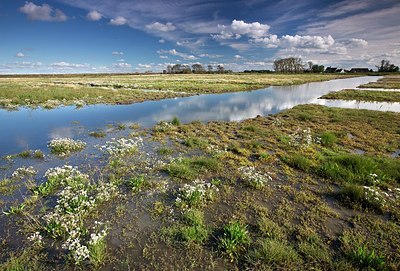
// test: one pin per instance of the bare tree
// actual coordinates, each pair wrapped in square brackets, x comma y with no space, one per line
[291,65]
[385,66]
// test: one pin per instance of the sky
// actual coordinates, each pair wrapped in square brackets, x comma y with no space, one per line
[97,36]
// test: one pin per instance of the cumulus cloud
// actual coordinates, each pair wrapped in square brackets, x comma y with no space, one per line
[160,27]
[297,41]
[237,29]
[42,13]
[116,53]
[161,40]
[94,15]
[252,30]
[20,55]
[238,57]
[176,53]
[118,21]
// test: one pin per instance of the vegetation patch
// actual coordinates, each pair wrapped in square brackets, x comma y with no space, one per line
[364,95]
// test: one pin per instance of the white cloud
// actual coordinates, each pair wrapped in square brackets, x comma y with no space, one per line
[94,15]
[118,21]
[211,55]
[20,55]
[122,65]
[160,27]
[116,53]
[163,57]
[253,30]
[62,65]
[238,57]
[297,41]
[176,53]
[144,66]
[356,43]
[237,29]
[42,13]
[161,40]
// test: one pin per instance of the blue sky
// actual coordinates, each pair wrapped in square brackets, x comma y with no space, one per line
[72,36]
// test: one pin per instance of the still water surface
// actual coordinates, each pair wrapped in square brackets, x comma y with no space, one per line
[33,128]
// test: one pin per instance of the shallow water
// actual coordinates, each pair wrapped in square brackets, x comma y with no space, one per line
[33,128]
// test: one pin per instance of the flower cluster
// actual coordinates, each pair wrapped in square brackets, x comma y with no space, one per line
[121,146]
[36,238]
[277,122]
[75,201]
[65,176]
[196,194]
[65,146]
[255,178]
[373,178]
[301,138]
[375,197]
[21,172]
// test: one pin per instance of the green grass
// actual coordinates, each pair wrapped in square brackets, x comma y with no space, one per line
[235,237]
[274,254]
[354,168]
[364,95]
[97,134]
[193,142]
[328,139]
[191,168]
[137,183]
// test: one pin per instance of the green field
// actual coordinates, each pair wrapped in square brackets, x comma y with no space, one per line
[52,91]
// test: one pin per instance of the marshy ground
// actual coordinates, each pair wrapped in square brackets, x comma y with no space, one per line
[309,188]
[53,91]
[384,90]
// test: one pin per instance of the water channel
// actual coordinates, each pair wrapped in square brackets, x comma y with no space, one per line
[33,128]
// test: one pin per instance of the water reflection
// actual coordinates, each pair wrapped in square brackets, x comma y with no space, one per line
[32,129]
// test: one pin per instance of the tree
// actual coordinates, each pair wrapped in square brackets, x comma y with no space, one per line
[291,64]
[210,68]
[198,68]
[387,67]
[318,68]
[310,65]
[220,68]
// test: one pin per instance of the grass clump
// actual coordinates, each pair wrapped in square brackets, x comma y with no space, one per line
[275,254]
[165,151]
[137,183]
[193,142]
[358,169]
[298,161]
[367,259]
[195,195]
[328,139]
[97,134]
[175,121]
[195,231]
[189,168]
[235,237]
[65,146]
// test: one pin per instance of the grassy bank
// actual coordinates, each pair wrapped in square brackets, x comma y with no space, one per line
[309,188]
[52,91]
[364,95]
[390,81]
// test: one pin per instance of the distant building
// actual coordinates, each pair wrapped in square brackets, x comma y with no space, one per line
[330,70]
[359,70]
[339,71]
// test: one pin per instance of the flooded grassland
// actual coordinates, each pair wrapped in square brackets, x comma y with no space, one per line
[53,91]
[311,187]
